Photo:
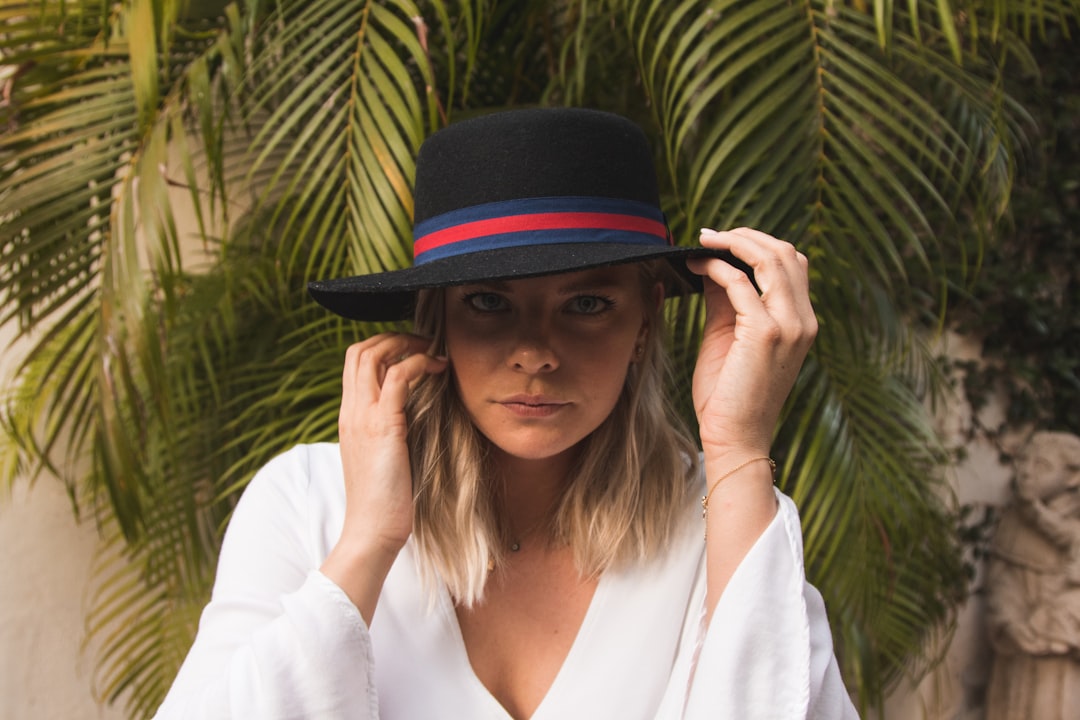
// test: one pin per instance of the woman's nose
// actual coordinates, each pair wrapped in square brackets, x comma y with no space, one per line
[533,351]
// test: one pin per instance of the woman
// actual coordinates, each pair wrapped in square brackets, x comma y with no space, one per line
[511,524]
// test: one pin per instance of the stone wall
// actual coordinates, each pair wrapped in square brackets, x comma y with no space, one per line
[44,672]
[956,689]
[45,557]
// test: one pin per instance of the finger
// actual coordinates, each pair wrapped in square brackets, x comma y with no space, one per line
[397,348]
[781,271]
[744,239]
[774,261]
[402,376]
[366,363]
[730,291]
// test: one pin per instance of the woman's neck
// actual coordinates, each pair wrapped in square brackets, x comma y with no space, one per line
[531,488]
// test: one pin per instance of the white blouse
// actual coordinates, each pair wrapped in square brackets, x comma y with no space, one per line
[280,640]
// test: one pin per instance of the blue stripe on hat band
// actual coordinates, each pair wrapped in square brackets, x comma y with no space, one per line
[528,221]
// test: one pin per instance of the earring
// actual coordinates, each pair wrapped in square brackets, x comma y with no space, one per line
[639,351]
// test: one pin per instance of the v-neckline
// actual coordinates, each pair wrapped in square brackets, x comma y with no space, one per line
[572,656]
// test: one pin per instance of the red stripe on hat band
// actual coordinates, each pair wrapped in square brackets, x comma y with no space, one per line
[539,221]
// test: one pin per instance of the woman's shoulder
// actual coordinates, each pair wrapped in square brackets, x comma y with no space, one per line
[305,457]
[300,491]
[302,473]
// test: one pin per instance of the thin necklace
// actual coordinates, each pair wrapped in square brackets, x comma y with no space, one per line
[518,538]
[516,544]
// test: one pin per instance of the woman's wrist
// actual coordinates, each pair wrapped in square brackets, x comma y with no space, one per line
[738,506]
[739,475]
[722,458]
[745,497]
[359,568]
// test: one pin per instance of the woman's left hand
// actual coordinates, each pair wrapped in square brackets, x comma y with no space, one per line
[753,345]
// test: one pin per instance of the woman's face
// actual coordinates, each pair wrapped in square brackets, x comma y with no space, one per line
[539,363]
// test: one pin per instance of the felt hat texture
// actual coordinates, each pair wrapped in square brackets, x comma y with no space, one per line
[522,193]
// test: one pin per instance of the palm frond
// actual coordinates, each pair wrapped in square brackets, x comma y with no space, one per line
[338,132]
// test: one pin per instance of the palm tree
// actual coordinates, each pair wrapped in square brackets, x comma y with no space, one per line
[867,133]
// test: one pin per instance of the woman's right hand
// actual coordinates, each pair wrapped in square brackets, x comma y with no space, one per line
[372,429]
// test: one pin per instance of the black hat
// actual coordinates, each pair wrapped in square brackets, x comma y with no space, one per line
[519,194]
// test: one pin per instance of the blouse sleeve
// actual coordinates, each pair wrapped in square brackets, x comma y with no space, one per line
[278,639]
[767,653]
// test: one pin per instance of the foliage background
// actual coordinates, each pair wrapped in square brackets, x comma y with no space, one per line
[1024,304]
[876,136]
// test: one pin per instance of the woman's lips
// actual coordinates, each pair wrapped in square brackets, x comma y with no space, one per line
[532,406]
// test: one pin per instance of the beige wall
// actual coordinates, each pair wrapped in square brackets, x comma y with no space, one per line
[955,690]
[45,559]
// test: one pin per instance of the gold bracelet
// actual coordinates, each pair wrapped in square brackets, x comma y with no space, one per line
[725,476]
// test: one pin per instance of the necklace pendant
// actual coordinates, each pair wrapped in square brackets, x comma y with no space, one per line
[514,547]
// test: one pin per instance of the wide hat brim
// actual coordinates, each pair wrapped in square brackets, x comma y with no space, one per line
[391,296]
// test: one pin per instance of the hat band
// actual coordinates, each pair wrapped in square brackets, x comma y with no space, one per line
[538,221]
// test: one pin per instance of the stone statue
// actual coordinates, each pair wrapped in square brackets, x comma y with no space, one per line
[1033,587]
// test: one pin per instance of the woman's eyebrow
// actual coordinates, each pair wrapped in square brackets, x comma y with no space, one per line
[598,281]
[572,288]
[499,285]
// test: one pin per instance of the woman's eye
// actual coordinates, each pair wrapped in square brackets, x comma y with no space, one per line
[485,302]
[590,304]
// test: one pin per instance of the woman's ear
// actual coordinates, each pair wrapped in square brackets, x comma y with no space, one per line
[643,333]
[654,305]
[658,296]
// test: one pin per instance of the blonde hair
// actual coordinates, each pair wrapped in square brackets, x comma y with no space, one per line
[621,503]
